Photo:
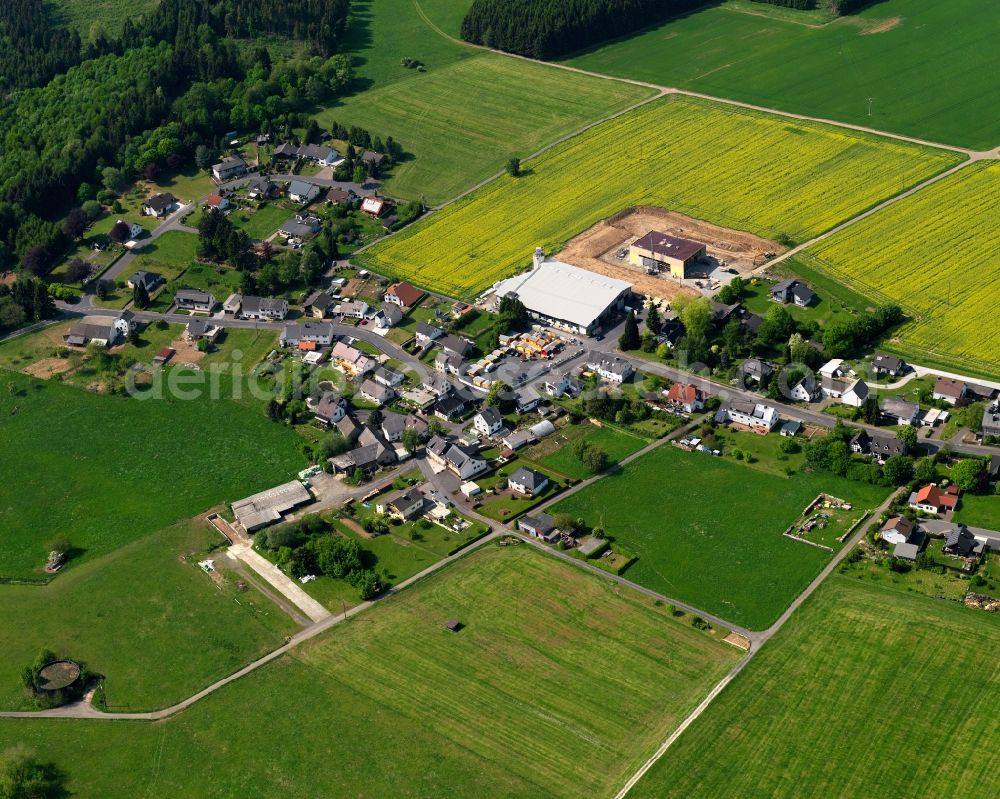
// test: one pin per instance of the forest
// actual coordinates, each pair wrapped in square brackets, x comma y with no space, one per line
[107,119]
[554,28]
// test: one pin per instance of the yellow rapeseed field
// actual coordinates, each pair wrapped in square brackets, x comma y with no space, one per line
[735,167]
[936,254]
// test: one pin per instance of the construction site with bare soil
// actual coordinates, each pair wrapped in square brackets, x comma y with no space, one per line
[604,249]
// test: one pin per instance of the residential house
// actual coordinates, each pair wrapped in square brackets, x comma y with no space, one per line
[260,188]
[371,157]
[562,386]
[795,291]
[148,280]
[686,396]
[300,226]
[343,197]
[198,329]
[263,308]
[320,154]
[302,191]
[374,206]
[403,295]
[450,407]
[318,305]
[387,376]
[370,454]
[756,370]
[331,408]
[231,166]
[721,313]
[527,482]
[318,333]
[448,364]
[351,360]
[896,530]
[805,390]
[540,526]
[671,331]
[991,419]
[890,365]
[388,315]
[526,399]
[833,387]
[216,202]
[159,205]
[375,392]
[881,446]
[404,506]
[348,428]
[285,151]
[465,462]
[455,345]
[757,416]
[751,322]
[104,331]
[395,424]
[354,309]
[931,499]
[135,230]
[194,300]
[898,411]
[610,367]
[426,333]
[856,394]
[488,422]
[960,541]
[519,438]
[232,304]
[437,385]
[952,391]
[791,428]
[910,548]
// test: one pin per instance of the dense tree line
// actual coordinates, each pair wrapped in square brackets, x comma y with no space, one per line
[33,48]
[553,28]
[25,300]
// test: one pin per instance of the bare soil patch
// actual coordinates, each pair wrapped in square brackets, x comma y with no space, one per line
[597,249]
[185,351]
[48,367]
[869,27]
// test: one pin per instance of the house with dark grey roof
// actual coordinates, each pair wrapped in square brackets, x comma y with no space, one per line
[887,365]
[148,280]
[756,370]
[319,333]
[302,191]
[105,331]
[388,315]
[540,526]
[372,157]
[527,482]
[466,462]
[991,420]
[794,291]
[455,345]
[449,407]
[375,392]
[320,154]
[231,166]
[488,422]
[426,333]
[319,305]
[331,408]
[159,205]
[194,300]
[300,226]
[960,542]
[404,505]
[260,187]
[881,446]
[285,150]
[263,308]
[395,424]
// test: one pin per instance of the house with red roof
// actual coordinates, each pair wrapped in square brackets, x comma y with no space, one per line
[217,201]
[686,396]
[403,294]
[931,499]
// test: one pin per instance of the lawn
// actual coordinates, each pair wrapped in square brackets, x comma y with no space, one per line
[111,14]
[559,684]
[144,616]
[979,511]
[556,451]
[934,254]
[104,470]
[462,118]
[708,530]
[733,167]
[175,248]
[260,223]
[858,665]
[887,67]
[221,281]
[188,185]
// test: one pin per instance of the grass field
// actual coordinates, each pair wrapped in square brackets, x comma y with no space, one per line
[857,666]
[462,122]
[559,685]
[737,168]
[111,14]
[261,223]
[708,531]
[144,616]
[107,470]
[979,511]
[556,451]
[921,83]
[934,254]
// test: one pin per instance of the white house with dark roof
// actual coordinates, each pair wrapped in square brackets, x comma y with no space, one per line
[488,422]
[263,308]
[794,291]
[194,300]
[527,482]
[610,367]
[231,166]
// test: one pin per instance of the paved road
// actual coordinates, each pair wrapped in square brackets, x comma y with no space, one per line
[759,640]
[280,581]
